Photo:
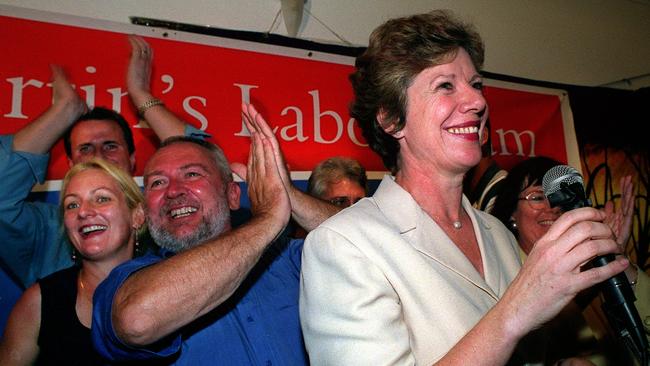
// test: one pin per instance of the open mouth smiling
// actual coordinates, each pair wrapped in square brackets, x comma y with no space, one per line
[182,212]
[87,230]
[463,130]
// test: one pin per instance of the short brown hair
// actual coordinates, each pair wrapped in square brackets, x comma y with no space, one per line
[333,170]
[397,52]
[220,160]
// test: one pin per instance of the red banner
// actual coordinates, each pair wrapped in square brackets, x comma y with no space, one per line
[529,121]
[204,79]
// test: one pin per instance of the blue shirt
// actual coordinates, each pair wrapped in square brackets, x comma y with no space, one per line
[34,243]
[258,325]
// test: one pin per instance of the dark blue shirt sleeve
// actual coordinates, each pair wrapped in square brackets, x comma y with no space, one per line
[104,338]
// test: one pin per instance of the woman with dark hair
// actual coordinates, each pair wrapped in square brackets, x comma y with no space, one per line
[523,188]
[414,274]
[102,210]
[580,329]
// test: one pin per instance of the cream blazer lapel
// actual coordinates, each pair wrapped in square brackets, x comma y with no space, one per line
[424,234]
[499,249]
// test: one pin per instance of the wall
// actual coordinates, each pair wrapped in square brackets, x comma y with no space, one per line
[580,42]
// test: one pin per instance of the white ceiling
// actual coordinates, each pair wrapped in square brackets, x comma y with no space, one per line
[582,42]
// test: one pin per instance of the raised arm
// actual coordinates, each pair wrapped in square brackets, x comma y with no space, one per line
[138,82]
[162,298]
[39,136]
[308,211]
[549,279]
[32,244]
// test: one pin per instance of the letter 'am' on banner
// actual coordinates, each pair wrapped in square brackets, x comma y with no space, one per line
[530,121]
[304,94]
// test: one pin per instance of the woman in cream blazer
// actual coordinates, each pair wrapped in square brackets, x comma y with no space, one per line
[414,275]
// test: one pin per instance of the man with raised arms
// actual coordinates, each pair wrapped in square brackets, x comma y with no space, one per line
[214,293]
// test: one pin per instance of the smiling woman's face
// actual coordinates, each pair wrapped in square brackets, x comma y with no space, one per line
[533,216]
[446,113]
[96,216]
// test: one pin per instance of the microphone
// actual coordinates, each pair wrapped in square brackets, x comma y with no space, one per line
[563,186]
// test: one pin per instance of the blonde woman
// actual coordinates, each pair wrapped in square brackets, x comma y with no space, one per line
[102,210]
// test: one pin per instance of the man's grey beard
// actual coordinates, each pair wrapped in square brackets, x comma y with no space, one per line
[209,228]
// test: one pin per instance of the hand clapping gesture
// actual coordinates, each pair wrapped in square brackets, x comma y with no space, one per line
[64,96]
[265,172]
[138,77]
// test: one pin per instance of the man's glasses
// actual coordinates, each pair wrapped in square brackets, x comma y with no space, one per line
[536,199]
[343,201]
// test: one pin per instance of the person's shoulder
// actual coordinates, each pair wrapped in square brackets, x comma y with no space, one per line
[120,273]
[359,226]
[32,296]
[140,262]
[28,307]
[362,212]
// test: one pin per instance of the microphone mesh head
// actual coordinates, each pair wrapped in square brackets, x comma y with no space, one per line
[557,175]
